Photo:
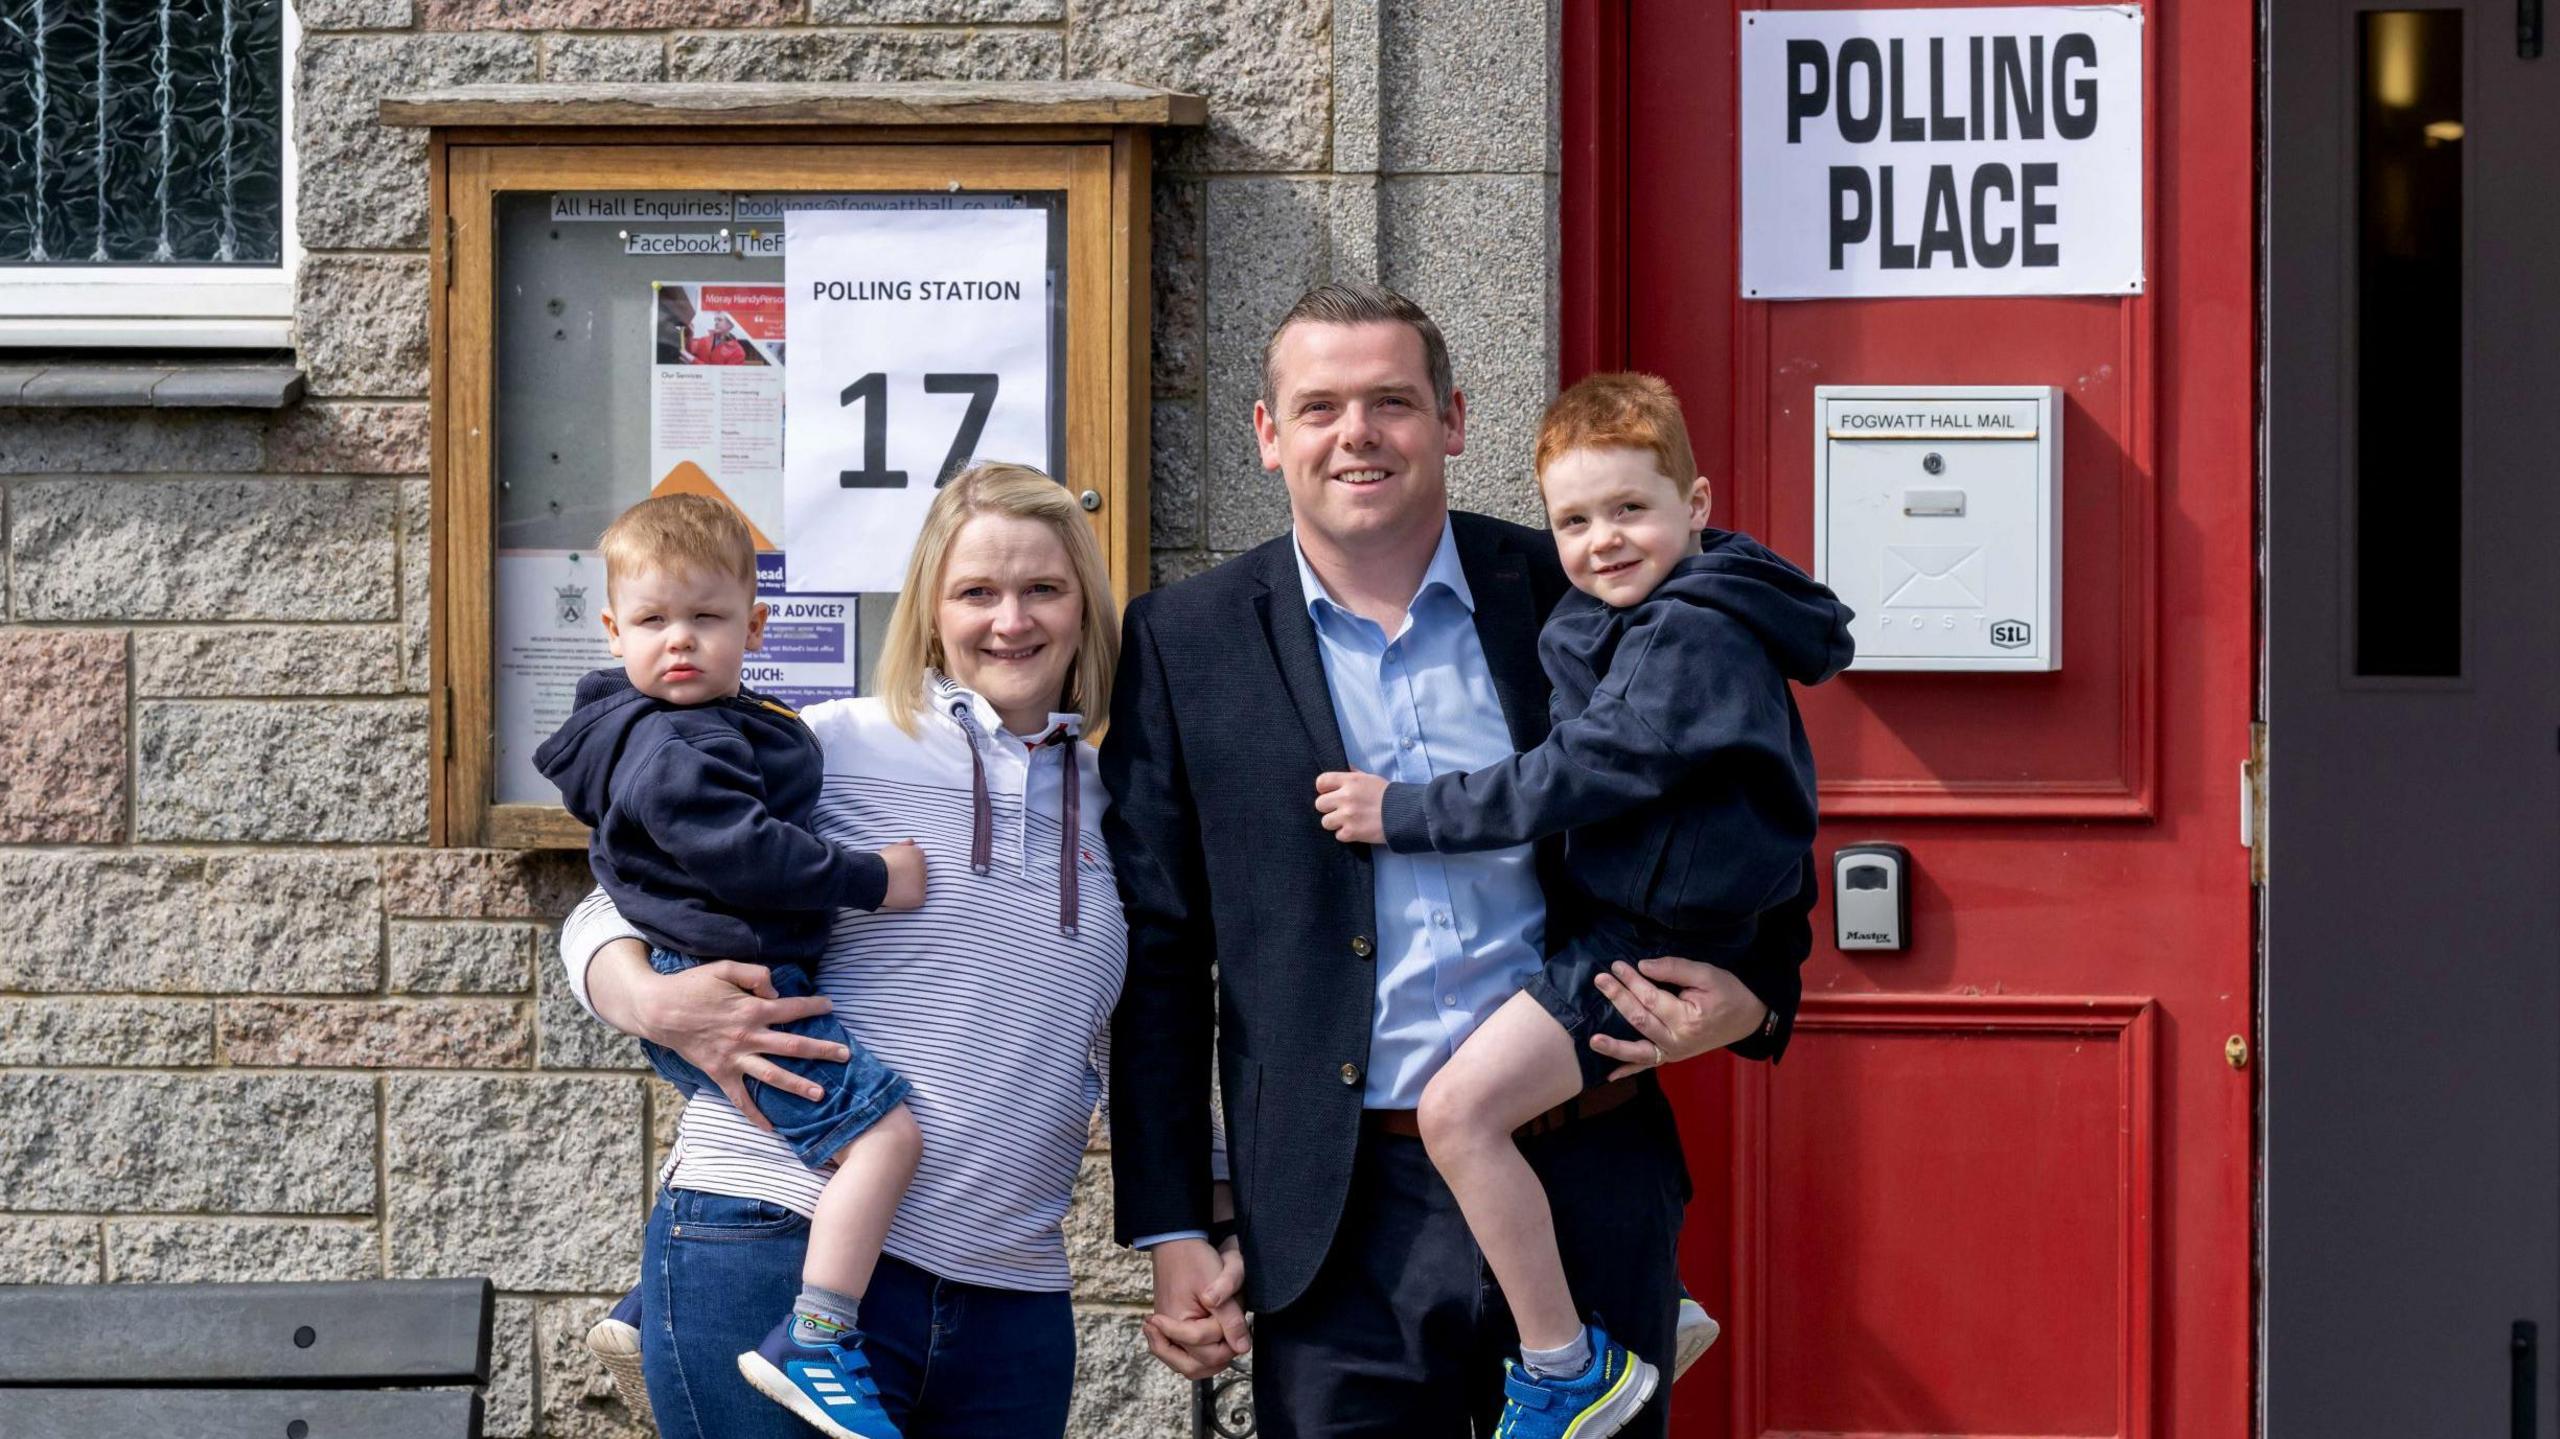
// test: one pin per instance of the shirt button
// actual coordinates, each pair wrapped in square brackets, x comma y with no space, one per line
[1406,742]
[1351,1074]
[1440,917]
[1450,1000]
[1360,945]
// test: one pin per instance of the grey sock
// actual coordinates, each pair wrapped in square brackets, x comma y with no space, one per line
[822,1316]
[1565,1361]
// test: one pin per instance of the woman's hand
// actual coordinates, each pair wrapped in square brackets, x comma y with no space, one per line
[1198,1325]
[1353,806]
[720,1016]
[1701,1008]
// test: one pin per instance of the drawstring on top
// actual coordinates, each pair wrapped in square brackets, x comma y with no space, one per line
[982,818]
[1070,792]
[982,824]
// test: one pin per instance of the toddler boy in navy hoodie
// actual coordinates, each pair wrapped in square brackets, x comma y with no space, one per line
[700,793]
[1678,770]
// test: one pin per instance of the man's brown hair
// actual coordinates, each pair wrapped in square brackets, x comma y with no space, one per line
[1621,410]
[1350,302]
[679,532]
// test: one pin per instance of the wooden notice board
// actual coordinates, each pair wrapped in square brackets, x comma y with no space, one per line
[608,320]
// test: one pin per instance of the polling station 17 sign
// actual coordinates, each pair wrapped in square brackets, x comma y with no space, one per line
[1942,152]
[919,342]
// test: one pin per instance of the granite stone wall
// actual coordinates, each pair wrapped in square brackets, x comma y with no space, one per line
[250,1026]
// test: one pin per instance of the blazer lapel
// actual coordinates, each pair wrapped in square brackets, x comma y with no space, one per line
[1507,627]
[1282,610]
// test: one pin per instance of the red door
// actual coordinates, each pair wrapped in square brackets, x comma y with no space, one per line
[2001,1184]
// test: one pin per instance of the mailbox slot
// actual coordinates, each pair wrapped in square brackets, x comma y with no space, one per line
[1938,519]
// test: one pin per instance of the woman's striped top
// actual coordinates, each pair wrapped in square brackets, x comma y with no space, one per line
[999,1020]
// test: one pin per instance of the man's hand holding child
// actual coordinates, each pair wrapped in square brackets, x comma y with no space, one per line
[1353,806]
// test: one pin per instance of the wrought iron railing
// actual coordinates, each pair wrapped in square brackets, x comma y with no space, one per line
[1222,1406]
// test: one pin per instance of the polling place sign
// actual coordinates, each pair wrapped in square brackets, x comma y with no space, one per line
[1942,152]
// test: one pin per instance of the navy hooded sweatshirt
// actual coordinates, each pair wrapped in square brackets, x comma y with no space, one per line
[1677,758]
[701,819]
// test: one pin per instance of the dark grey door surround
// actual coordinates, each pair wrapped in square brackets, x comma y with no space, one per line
[2412,984]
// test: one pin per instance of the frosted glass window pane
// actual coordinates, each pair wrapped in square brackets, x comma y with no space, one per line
[141,132]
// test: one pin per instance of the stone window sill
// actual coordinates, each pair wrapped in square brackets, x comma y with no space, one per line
[170,386]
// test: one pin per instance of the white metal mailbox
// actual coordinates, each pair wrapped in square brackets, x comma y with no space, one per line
[1938,518]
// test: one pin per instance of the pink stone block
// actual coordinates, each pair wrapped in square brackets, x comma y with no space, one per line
[483,883]
[62,736]
[425,1034]
[360,438]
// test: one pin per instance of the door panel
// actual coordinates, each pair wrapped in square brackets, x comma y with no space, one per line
[2001,1185]
[2022,1232]
[2413,902]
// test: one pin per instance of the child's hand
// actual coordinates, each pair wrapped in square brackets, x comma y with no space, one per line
[906,876]
[1353,806]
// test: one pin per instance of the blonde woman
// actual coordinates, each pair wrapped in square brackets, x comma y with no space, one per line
[994,1000]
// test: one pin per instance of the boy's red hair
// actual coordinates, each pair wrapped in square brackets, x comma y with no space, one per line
[1622,410]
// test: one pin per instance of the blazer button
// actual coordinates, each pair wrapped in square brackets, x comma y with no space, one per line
[1361,946]
[1351,1074]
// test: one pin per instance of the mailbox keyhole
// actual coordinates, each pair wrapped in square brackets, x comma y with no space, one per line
[1934,463]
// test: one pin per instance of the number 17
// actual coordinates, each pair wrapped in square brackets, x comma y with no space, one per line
[872,393]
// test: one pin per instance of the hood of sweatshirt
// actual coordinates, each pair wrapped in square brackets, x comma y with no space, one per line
[581,756]
[1803,625]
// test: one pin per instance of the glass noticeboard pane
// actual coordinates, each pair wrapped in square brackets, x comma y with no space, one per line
[642,346]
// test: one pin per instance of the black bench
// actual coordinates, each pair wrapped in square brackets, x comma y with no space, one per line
[244,1361]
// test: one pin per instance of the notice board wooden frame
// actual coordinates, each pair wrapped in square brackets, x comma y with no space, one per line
[1089,141]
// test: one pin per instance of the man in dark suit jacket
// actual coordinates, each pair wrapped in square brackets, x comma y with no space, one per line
[1329,981]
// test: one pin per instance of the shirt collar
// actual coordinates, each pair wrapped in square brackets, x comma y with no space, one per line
[1444,572]
[945,695]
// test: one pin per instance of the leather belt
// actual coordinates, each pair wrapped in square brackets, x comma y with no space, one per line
[1589,1104]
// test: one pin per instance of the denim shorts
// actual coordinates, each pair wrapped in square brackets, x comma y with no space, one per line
[858,1091]
[1564,989]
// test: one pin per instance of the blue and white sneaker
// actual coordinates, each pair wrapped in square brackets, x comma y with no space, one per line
[1694,1336]
[615,1341]
[830,1385]
[1599,1402]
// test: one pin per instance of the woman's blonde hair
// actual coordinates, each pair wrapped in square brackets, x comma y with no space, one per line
[996,488]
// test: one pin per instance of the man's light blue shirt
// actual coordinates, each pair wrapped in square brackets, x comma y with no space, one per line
[1457,933]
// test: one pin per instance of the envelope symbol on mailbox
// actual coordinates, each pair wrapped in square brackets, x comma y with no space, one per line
[1933,577]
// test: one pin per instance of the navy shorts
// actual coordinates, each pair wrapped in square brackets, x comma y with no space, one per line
[859,1090]
[1564,989]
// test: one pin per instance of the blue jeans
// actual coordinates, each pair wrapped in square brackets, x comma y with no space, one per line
[954,1361]
[856,1092]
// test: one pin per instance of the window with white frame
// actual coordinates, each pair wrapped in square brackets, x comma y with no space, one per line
[146,173]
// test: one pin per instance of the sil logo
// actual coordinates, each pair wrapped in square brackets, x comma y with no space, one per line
[2012,634]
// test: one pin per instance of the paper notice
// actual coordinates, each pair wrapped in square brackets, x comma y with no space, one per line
[715,398]
[549,633]
[921,343]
